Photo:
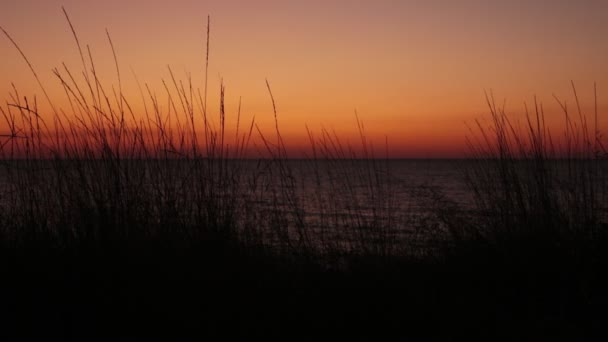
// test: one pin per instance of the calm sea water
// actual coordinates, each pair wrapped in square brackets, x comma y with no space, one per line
[347,179]
[401,184]
[332,202]
[315,188]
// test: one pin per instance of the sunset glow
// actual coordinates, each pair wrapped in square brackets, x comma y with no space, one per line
[415,72]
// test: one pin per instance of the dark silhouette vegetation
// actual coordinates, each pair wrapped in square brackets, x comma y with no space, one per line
[123,225]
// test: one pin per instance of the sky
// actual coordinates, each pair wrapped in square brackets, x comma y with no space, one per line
[415,72]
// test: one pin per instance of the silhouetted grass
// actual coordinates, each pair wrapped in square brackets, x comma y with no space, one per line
[549,191]
[537,234]
[161,225]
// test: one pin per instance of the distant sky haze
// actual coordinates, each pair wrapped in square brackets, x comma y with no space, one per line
[414,71]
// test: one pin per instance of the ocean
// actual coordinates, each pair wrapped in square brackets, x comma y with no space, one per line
[328,200]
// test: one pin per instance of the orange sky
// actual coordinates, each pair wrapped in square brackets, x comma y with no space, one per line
[415,71]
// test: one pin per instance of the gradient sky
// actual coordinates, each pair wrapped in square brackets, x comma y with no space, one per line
[415,71]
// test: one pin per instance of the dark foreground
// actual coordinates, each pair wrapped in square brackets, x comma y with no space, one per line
[173,289]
